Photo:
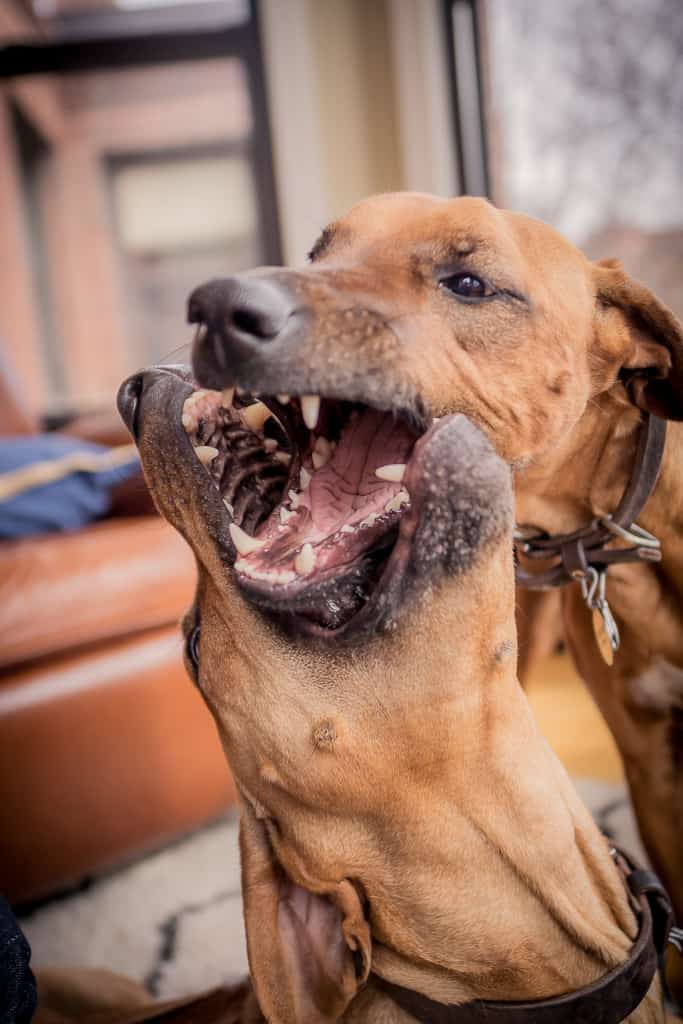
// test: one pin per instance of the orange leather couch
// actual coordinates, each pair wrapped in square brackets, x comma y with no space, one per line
[106,748]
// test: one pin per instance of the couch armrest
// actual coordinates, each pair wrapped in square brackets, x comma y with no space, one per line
[103,756]
[101,427]
[108,580]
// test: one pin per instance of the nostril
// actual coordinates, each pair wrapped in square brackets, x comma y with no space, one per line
[254,322]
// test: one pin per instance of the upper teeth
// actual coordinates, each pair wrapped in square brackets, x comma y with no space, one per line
[310,410]
[254,416]
[242,541]
[227,397]
[206,453]
[393,472]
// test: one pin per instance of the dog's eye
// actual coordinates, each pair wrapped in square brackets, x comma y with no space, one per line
[468,286]
[192,650]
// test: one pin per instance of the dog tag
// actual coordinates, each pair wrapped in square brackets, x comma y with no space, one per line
[606,631]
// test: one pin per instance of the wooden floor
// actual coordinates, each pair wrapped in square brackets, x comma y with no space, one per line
[572,722]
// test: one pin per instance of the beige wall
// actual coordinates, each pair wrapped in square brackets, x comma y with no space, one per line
[358,94]
[355,99]
[19,326]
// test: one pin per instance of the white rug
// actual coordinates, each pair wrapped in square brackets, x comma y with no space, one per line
[174,919]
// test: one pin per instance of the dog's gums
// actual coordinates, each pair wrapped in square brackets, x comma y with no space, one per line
[314,492]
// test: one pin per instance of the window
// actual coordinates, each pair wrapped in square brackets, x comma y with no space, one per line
[584,126]
[142,168]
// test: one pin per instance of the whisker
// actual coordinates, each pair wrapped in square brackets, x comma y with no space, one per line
[174,351]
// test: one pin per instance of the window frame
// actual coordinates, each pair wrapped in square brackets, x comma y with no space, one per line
[467,86]
[85,47]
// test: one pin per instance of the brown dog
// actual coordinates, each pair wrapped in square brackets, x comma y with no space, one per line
[402,819]
[436,306]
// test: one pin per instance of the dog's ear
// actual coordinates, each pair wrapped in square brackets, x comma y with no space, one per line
[644,336]
[308,952]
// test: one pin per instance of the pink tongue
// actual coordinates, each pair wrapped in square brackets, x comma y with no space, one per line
[347,484]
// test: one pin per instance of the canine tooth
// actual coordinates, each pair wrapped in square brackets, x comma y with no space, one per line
[284,457]
[227,397]
[229,507]
[285,515]
[310,410]
[270,444]
[242,541]
[393,472]
[304,478]
[295,498]
[206,453]
[283,399]
[254,416]
[305,560]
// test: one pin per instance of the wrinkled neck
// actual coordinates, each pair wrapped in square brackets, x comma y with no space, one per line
[504,888]
[585,475]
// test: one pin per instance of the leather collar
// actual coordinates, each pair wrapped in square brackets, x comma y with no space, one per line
[586,549]
[606,1001]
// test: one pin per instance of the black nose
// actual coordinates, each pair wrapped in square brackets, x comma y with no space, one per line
[241,314]
[127,400]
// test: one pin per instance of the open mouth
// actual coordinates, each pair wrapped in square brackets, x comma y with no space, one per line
[315,489]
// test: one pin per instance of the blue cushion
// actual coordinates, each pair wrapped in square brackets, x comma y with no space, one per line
[64,504]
